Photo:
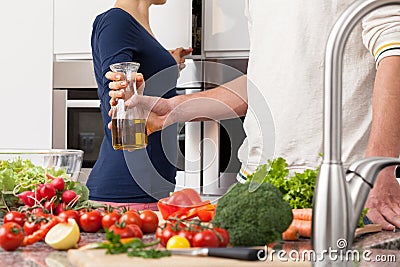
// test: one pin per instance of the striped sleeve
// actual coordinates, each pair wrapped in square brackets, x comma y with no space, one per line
[381,32]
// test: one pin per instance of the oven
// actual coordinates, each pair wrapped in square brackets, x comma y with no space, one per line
[77,120]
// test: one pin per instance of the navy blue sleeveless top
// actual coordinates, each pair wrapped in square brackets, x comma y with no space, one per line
[144,175]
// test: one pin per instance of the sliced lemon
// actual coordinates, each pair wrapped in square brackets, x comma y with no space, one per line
[63,235]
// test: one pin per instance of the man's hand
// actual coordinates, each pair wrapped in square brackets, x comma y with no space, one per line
[383,201]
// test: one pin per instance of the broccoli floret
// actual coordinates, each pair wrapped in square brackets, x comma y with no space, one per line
[253,218]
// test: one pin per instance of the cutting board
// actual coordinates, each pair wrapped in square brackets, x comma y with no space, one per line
[99,258]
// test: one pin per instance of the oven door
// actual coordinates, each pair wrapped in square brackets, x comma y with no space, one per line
[78,124]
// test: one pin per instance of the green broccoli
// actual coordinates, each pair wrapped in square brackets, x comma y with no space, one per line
[253,218]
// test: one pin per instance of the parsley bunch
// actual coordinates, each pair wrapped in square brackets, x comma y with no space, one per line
[297,190]
[133,248]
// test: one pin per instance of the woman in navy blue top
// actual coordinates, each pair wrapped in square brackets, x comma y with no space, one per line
[143,176]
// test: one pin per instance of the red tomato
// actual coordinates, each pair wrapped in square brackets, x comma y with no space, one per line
[11,236]
[31,227]
[90,221]
[223,236]
[123,231]
[149,221]
[136,230]
[206,238]
[131,217]
[69,214]
[109,219]
[15,216]
[165,233]
[187,234]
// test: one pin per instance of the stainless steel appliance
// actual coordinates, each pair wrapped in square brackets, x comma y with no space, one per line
[210,147]
[77,121]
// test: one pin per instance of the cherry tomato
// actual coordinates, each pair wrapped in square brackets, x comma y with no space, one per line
[15,216]
[131,217]
[223,236]
[165,233]
[149,221]
[136,230]
[109,219]
[124,231]
[11,236]
[206,238]
[187,234]
[90,221]
[69,214]
[31,227]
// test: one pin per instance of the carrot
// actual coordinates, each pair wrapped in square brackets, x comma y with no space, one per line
[291,234]
[302,214]
[303,226]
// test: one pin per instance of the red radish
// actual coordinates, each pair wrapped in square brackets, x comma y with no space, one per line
[27,197]
[58,183]
[59,208]
[68,196]
[50,206]
[47,191]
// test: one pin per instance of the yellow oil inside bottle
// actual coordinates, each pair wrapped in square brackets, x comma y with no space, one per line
[129,134]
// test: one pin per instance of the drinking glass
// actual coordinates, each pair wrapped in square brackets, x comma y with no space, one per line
[128,123]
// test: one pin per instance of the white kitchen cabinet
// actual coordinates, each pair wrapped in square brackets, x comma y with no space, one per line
[225,29]
[73,19]
[26,74]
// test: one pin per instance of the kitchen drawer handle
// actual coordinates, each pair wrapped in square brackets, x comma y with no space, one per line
[83,103]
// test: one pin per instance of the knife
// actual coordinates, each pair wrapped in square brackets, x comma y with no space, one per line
[240,253]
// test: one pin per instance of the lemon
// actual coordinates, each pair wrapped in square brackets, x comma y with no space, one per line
[178,241]
[63,235]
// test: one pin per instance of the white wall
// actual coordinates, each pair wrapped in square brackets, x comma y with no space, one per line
[26,56]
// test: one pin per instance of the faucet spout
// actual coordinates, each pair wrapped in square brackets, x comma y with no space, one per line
[333,211]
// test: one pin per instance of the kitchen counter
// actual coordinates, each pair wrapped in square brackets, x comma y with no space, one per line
[383,247]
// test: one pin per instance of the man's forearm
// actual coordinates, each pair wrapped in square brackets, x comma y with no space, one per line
[385,131]
[225,101]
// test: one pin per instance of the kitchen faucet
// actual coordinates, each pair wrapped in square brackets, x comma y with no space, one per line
[339,199]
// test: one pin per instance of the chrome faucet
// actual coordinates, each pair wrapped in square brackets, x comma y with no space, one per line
[339,199]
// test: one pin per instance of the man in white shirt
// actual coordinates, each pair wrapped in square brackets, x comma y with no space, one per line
[287,44]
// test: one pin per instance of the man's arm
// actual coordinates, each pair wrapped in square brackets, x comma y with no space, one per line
[384,199]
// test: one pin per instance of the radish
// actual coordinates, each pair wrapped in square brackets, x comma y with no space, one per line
[59,208]
[68,196]
[27,197]
[47,191]
[50,206]
[58,183]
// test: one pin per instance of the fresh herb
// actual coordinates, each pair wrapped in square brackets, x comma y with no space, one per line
[133,248]
[361,219]
[297,190]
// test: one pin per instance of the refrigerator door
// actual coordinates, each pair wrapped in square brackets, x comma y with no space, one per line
[225,29]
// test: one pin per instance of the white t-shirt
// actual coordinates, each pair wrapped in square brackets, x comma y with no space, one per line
[285,72]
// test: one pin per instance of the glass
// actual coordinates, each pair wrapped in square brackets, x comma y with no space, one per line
[128,124]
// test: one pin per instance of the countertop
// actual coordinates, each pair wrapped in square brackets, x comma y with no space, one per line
[41,255]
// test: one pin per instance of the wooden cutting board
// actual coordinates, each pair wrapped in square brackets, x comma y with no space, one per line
[98,258]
